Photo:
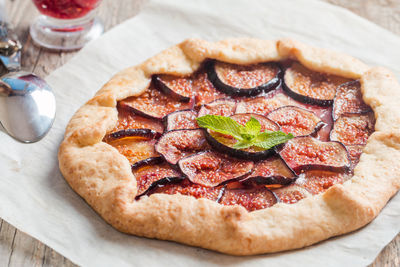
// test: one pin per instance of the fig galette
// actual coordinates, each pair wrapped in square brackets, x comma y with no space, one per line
[137,153]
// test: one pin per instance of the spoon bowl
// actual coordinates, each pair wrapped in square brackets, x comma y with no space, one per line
[27,106]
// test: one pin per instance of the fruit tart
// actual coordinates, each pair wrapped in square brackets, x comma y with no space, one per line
[242,146]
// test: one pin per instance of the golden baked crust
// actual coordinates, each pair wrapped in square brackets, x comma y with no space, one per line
[103,177]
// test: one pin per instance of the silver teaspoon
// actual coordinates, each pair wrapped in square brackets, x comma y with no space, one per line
[27,106]
[27,103]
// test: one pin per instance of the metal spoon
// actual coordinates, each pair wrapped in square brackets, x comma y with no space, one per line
[27,103]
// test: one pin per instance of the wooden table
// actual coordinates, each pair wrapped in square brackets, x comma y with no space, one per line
[18,248]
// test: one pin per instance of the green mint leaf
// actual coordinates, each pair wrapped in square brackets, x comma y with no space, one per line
[268,139]
[221,124]
[242,144]
[252,127]
[248,137]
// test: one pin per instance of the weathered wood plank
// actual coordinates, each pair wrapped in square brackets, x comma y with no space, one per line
[26,251]
[19,249]
[385,13]
[52,258]
[390,255]
[7,235]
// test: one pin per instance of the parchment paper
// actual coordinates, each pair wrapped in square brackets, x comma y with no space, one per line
[35,198]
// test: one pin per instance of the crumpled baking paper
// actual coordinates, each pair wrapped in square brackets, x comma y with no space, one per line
[35,198]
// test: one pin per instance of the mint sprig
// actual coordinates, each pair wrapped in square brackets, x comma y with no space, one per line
[246,136]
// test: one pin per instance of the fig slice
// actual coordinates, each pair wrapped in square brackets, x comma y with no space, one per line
[176,144]
[309,86]
[305,153]
[132,133]
[349,99]
[145,162]
[189,189]
[135,149]
[223,107]
[210,169]
[295,120]
[264,104]
[244,80]
[353,129]
[180,88]
[129,120]
[153,104]
[224,143]
[181,119]
[291,194]
[205,90]
[272,171]
[318,181]
[148,176]
[251,199]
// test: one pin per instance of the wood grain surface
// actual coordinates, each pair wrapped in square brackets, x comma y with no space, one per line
[18,248]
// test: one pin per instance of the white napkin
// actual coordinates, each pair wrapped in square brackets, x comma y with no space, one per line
[35,198]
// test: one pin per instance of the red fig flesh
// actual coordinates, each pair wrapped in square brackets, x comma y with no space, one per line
[146,176]
[291,194]
[177,144]
[154,104]
[318,181]
[181,119]
[304,153]
[348,99]
[353,129]
[190,189]
[211,169]
[295,120]
[251,199]
[244,80]
[309,86]
[180,88]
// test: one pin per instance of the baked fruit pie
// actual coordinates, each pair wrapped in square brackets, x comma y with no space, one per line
[179,147]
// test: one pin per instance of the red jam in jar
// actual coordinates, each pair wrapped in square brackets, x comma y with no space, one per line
[66,9]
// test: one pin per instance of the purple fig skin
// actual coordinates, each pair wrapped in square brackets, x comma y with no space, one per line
[222,107]
[316,122]
[145,162]
[349,93]
[161,85]
[171,147]
[152,174]
[363,129]
[239,153]
[272,171]
[234,91]
[172,120]
[145,133]
[154,104]
[319,78]
[306,99]
[129,120]
[297,167]
[211,169]
[161,182]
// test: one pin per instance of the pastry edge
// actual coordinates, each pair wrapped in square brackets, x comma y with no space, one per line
[102,176]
